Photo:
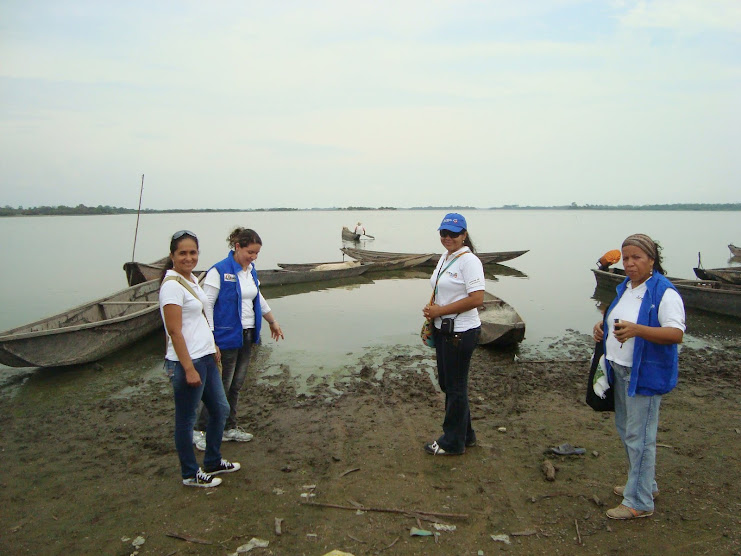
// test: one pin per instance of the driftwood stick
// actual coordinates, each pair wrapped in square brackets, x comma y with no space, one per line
[385,510]
[187,538]
[392,544]
[578,535]
[350,471]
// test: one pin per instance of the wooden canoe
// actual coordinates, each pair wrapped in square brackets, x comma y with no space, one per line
[349,235]
[729,275]
[501,325]
[367,256]
[136,273]
[391,264]
[735,251]
[85,333]
[703,295]
[280,277]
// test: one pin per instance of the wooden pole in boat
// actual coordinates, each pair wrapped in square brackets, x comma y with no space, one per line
[136,231]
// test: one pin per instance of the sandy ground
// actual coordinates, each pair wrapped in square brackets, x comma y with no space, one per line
[90,466]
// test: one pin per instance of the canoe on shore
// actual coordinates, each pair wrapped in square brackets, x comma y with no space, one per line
[367,256]
[729,275]
[85,333]
[704,295]
[501,325]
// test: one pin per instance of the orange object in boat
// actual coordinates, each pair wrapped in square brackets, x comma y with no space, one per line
[609,258]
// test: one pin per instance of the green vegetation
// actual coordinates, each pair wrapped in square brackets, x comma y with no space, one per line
[63,210]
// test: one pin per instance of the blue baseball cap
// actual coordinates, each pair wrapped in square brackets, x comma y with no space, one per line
[453,222]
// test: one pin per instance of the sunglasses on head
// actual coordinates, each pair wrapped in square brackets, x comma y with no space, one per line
[448,233]
[181,233]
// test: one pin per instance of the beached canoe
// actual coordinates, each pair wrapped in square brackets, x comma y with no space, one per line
[367,256]
[501,325]
[85,333]
[735,251]
[349,235]
[280,277]
[704,295]
[729,275]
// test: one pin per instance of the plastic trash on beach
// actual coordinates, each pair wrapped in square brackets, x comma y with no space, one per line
[415,532]
[501,538]
[336,552]
[254,543]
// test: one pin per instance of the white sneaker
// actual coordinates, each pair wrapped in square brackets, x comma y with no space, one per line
[199,440]
[203,480]
[237,435]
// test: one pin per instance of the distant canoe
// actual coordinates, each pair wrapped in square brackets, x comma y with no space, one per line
[729,275]
[366,256]
[86,333]
[501,325]
[735,251]
[705,295]
[348,235]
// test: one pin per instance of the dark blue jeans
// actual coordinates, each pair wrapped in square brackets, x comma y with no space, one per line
[234,363]
[187,399]
[453,361]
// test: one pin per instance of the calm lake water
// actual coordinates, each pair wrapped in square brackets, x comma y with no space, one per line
[55,263]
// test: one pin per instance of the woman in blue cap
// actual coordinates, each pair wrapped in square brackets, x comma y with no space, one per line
[458,284]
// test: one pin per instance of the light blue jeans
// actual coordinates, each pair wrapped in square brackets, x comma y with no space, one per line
[637,422]
[187,399]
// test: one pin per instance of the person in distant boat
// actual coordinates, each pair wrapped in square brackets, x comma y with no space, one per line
[640,331]
[458,284]
[359,230]
[235,309]
[191,364]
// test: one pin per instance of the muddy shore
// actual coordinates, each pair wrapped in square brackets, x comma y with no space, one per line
[90,465]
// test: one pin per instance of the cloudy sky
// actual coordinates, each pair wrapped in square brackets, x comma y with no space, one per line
[321,103]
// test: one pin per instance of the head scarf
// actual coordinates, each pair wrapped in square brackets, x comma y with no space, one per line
[644,243]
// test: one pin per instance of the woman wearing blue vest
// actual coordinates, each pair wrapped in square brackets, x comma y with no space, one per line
[458,284]
[644,324]
[235,309]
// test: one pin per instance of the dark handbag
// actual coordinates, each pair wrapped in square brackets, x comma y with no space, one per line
[593,400]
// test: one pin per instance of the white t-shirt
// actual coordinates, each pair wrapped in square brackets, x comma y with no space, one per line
[212,285]
[464,276]
[198,337]
[671,315]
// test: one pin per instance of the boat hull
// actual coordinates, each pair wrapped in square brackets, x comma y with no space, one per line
[501,325]
[347,235]
[703,295]
[730,275]
[85,333]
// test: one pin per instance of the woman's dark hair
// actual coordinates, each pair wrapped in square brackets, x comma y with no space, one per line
[657,261]
[174,242]
[468,242]
[243,236]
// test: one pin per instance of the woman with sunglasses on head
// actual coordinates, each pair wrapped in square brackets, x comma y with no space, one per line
[458,284]
[640,332]
[190,363]
[235,308]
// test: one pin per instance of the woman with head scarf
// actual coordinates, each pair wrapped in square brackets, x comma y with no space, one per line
[640,331]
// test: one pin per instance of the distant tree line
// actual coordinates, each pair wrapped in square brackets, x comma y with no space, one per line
[63,210]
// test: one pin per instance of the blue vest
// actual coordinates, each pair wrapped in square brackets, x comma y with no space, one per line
[228,306]
[655,366]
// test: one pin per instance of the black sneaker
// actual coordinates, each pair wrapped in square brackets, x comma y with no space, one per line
[471,442]
[203,480]
[224,467]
